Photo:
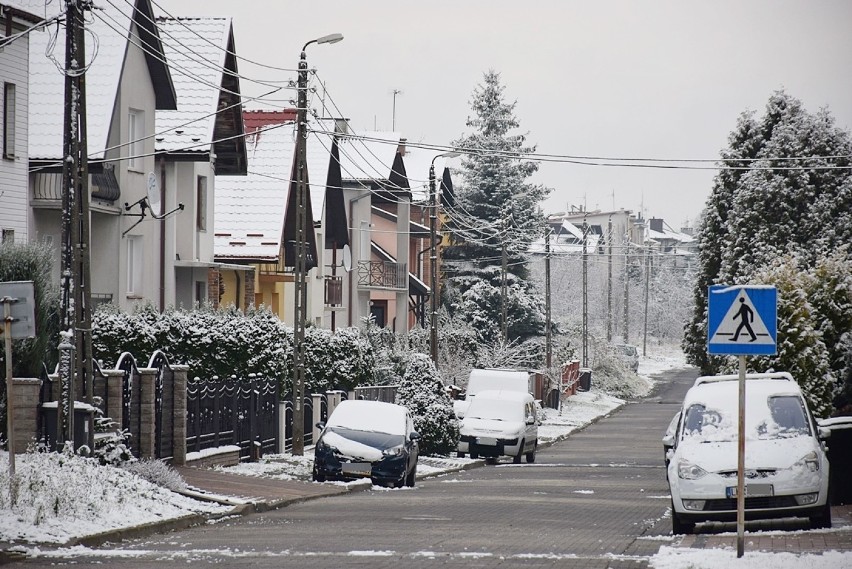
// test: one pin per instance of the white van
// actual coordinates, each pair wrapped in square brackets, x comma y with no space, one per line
[492,380]
[500,423]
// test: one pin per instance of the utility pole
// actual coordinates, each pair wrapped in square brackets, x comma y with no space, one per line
[504,326]
[626,283]
[303,225]
[393,119]
[433,263]
[648,262]
[609,280]
[548,357]
[585,293]
[75,347]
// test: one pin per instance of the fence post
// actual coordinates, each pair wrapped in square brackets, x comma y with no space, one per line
[179,441]
[25,399]
[147,423]
[317,414]
[114,395]
[282,427]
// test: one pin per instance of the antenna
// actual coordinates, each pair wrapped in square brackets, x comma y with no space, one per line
[393,121]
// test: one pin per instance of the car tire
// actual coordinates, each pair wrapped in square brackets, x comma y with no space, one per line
[460,454]
[679,525]
[531,455]
[517,458]
[317,477]
[474,455]
[411,479]
[823,519]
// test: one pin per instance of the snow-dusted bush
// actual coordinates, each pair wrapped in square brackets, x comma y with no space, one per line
[422,392]
[157,472]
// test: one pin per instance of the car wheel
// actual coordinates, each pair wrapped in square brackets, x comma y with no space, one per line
[531,455]
[460,454]
[517,458]
[823,519]
[474,455]
[679,525]
[411,479]
[317,476]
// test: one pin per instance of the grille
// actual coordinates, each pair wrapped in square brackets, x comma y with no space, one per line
[757,503]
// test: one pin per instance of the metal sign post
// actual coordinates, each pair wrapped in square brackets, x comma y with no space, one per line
[18,322]
[741,321]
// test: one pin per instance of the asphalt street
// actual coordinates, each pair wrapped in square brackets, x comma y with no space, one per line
[596,499]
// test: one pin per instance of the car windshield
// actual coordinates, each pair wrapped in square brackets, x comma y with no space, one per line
[373,439]
[628,350]
[495,409]
[775,417]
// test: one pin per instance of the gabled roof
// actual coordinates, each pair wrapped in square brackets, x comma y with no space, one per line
[199,52]
[111,24]
[250,210]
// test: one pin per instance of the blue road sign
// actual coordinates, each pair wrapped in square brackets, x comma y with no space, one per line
[742,320]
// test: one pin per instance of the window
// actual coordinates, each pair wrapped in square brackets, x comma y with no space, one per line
[9,120]
[8,236]
[200,292]
[135,136]
[134,265]
[201,204]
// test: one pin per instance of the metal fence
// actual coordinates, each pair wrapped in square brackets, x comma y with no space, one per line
[232,411]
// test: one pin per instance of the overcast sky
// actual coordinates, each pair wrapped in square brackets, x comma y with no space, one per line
[594,78]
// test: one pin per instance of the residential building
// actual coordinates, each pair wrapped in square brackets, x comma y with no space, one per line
[127,83]
[197,143]
[14,96]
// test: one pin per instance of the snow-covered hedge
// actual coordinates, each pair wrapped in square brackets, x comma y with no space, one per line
[423,393]
[228,342]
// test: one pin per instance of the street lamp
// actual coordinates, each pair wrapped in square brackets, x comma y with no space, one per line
[300,270]
[433,258]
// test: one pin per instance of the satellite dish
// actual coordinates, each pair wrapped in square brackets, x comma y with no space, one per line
[154,194]
[347,258]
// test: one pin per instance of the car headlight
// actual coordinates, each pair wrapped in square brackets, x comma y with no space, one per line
[393,451]
[689,471]
[809,461]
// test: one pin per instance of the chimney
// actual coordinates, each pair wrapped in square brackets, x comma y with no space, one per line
[656,224]
[401,147]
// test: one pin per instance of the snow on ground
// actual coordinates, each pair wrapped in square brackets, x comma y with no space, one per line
[685,558]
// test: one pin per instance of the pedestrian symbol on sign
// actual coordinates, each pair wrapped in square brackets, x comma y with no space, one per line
[746,316]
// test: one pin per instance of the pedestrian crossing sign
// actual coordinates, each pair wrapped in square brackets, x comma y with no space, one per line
[742,320]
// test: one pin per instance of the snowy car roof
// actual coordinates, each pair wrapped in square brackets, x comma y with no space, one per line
[375,416]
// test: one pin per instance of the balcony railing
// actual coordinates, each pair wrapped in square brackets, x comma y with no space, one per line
[333,291]
[382,274]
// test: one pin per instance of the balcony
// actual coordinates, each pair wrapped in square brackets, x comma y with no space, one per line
[382,275]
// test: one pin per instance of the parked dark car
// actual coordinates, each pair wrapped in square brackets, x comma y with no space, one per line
[367,439]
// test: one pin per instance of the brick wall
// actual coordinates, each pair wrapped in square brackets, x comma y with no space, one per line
[249,287]
[214,286]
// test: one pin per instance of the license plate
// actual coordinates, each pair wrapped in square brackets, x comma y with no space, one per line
[751,491]
[486,441]
[357,468]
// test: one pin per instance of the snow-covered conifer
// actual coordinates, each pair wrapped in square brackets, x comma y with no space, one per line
[423,393]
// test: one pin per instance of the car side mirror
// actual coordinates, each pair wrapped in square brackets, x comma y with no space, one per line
[669,454]
[414,436]
[320,425]
[530,420]
[668,441]
[823,434]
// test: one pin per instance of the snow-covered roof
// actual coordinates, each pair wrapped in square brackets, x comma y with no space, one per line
[109,29]
[368,158]
[567,239]
[195,50]
[250,209]
[667,235]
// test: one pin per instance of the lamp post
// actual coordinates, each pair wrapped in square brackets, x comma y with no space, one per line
[300,270]
[433,258]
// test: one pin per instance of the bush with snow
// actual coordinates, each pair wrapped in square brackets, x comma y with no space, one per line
[423,393]
[157,472]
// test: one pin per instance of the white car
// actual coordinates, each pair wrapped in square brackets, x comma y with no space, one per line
[786,468]
[500,423]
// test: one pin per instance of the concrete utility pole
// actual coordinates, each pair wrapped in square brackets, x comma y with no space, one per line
[303,225]
[648,263]
[548,354]
[434,238]
[585,293]
[609,281]
[75,347]
[504,325]
[626,283]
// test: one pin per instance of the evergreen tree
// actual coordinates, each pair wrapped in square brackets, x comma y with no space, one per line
[796,197]
[423,393]
[495,203]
